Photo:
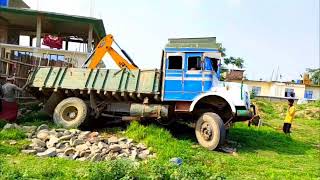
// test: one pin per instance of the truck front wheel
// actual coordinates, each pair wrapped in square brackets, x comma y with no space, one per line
[210,131]
[70,112]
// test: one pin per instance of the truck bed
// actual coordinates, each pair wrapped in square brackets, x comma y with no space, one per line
[103,81]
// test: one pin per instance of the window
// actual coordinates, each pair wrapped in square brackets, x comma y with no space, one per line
[194,63]
[175,62]
[256,90]
[18,55]
[289,92]
[53,57]
[60,58]
[308,94]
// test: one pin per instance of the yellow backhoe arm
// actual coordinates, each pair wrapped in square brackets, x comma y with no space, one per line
[104,47]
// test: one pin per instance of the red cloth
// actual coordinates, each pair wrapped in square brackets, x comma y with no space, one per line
[9,111]
[52,41]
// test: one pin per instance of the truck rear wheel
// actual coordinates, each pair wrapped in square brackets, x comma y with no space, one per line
[210,131]
[70,112]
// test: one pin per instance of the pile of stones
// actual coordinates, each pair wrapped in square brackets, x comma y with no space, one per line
[80,145]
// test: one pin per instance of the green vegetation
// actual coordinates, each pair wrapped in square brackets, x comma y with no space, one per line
[263,153]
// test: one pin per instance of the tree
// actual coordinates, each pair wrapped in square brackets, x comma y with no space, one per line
[238,62]
[315,75]
[221,49]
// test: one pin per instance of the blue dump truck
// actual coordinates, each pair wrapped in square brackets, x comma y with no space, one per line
[185,88]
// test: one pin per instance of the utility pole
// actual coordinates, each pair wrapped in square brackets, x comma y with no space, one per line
[91,8]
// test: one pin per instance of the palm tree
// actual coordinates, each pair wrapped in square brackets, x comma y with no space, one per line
[239,62]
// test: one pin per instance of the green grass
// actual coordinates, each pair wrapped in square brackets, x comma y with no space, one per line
[263,153]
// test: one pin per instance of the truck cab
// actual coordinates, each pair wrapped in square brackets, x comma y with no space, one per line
[191,80]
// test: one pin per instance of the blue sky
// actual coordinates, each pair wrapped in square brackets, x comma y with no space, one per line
[267,34]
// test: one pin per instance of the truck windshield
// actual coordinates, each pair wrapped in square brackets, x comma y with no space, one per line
[194,63]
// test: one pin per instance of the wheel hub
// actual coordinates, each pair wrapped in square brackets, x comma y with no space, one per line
[70,113]
[206,131]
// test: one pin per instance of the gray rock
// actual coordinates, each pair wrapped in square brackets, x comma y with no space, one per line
[104,151]
[88,143]
[126,151]
[69,152]
[29,151]
[74,131]
[42,127]
[93,134]
[82,159]
[65,137]
[37,143]
[12,142]
[61,150]
[95,149]
[122,155]
[75,142]
[82,147]
[102,145]
[11,126]
[129,141]
[122,139]
[147,152]
[112,139]
[76,155]
[141,146]
[39,149]
[52,141]
[43,134]
[60,130]
[124,146]
[29,129]
[142,156]
[83,134]
[133,155]
[8,126]
[115,148]
[51,152]
[66,132]
[96,157]
[85,153]
[60,155]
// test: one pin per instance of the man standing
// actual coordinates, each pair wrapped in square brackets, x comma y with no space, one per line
[289,117]
[9,105]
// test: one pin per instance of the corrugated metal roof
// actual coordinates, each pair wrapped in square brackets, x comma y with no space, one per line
[204,42]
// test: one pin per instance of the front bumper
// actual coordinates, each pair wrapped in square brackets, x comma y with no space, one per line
[246,114]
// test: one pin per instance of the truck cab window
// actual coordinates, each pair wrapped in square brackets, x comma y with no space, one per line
[175,62]
[194,63]
[215,63]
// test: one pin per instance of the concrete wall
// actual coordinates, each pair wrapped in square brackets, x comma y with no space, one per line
[315,91]
[277,89]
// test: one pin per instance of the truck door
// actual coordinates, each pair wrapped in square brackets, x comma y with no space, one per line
[173,85]
[193,77]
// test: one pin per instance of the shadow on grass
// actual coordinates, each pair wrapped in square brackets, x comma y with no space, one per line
[251,139]
[35,119]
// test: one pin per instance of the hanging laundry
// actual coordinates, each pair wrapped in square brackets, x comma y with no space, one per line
[52,41]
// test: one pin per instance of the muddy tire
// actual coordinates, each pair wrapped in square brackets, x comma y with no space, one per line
[70,113]
[210,131]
